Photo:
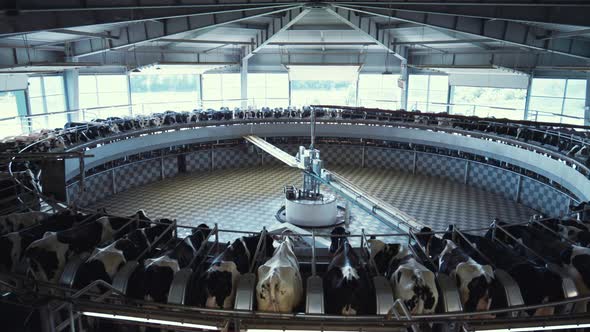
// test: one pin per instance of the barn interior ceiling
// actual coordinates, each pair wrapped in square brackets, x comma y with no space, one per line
[92,35]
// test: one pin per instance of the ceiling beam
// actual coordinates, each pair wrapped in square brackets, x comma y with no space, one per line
[556,12]
[26,20]
[395,26]
[85,34]
[366,26]
[320,27]
[451,41]
[278,25]
[559,35]
[149,31]
[511,33]
[323,43]
[192,41]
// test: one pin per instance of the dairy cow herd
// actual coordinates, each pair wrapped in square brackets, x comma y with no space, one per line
[40,245]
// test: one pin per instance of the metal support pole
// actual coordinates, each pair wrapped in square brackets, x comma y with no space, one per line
[414,162]
[114,180]
[518,189]
[162,175]
[244,83]
[404,92]
[212,157]
[528,97]
[466,179]
[312,128]
[363,155]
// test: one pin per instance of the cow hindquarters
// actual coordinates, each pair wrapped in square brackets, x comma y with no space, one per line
[417,289]
[279,289]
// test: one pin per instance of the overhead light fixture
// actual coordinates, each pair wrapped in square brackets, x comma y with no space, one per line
[539,328]
[136,70]
[149,320]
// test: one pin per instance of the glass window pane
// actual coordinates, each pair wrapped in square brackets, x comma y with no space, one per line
[310,92]
[418,82]
[440,83]
[55,103]
[545,109]
[9,108]
[54,85]
[546,87]
[576,89]
[87,100]
[380,91]
[87,84]
[37,106]
[35,87]
[111,83]
[489,102]
[574,107]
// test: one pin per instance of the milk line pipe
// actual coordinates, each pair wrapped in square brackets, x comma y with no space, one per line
[365,248]
[261,242]
[156,240]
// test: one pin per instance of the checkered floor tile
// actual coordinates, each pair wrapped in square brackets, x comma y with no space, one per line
[248,198]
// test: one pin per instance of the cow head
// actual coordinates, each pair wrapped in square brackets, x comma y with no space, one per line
[338,238]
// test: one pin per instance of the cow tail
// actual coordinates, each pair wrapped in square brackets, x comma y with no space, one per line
[274,290]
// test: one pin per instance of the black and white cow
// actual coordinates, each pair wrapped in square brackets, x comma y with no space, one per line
[159,271]
[220,279]
[475,281]
[412,282]
[347,284]
[537,283]
[48,256]
[105,262]
[15,222]
[280,286]
[575,259]
[13,245]
[571,229]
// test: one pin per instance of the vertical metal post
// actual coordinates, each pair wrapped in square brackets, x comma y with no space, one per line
[162,175]
[114,180]
[450,97]
[518,189]
[82,174]
[363,155]
[312,128]
[405,77]
[466,179]
[414,162]
[244,83]
[212,157]
[129,98]
[528,97]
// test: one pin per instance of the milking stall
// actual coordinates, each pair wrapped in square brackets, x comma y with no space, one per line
[257,165]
